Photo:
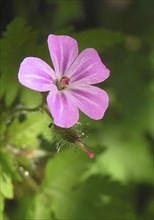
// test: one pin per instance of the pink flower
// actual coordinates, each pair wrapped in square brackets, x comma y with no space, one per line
[69,84]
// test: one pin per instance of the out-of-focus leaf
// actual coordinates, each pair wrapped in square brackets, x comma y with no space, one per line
[25,134]
[99,39]
[18,42]
[126,158]
[63,172]
[98,195]
[6,188]
[30,98]
[1,203]
[21,210]
[68,162]
[61,10]
[7,164]
[92,199]
[68,196]
[40,210]
[3,119]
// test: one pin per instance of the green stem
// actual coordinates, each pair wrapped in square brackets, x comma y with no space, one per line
[40,107]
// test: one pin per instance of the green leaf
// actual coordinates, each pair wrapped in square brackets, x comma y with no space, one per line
[30,98]
[39,210]
[3,119]
[81,199]
[25,134]
[62,173]
[8,165]
[6,186]
[126,157]
[68,162]
[96,197]
[100,39]
[18,42]
[67,196]
[1,203]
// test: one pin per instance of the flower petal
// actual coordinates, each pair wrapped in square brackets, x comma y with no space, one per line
[63,51]
[88,68]
[91,100]
[35,74]
[62,108]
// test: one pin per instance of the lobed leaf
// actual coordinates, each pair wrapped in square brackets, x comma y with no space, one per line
[25,134]
[17,42]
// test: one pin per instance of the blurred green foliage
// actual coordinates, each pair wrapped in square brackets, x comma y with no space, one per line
[38,183]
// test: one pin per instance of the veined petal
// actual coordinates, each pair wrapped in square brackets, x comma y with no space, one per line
[91,100]
[62,108]
[35,74]
[88,68]
[63,51]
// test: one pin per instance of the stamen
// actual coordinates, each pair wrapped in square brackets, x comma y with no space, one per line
[64,81]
